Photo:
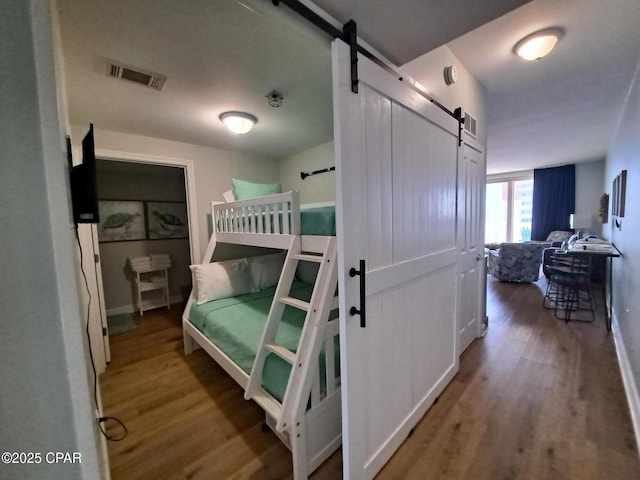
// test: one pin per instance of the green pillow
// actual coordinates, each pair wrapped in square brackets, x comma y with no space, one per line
[243,189]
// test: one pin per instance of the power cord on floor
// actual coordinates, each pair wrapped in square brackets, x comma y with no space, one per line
[101,420]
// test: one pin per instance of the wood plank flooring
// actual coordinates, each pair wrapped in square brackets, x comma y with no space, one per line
[536,398]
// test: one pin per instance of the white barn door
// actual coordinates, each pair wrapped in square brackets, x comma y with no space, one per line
[396,157]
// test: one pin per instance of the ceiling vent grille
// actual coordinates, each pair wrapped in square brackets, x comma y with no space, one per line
[470,124]
[148,79]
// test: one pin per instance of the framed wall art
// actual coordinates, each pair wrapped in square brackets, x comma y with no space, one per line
[121,220]
[619,191]
[167,220]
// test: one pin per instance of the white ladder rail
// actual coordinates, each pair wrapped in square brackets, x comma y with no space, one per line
[254,385]
[312,338]
[307,353]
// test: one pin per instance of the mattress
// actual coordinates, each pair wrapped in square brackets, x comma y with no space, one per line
[235,326]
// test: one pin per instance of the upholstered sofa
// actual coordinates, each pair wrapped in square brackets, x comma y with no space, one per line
[516,262]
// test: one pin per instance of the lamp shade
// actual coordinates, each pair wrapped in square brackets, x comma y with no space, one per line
[538,44]
[579,221]
[238,122]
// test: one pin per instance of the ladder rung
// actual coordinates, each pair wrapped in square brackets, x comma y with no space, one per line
[294,302]
[282,352]
[268,403]
[308,258]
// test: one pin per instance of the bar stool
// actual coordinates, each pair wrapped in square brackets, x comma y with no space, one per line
[569,287]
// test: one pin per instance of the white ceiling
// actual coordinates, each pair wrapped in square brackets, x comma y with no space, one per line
[217,55]
[563,108]
[403,30]
[221,55]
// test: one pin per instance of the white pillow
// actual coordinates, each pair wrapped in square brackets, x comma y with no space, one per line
[216,280]
[265,269]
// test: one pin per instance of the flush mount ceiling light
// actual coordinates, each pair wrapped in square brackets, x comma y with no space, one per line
[238,122]
[538,44]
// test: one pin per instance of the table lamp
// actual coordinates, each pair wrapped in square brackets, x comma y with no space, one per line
[579,222]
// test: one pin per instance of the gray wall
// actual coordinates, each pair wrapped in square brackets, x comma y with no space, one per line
[317,188]
[213,169]
[136,181]
[624,153]
[466,92]
[45,403]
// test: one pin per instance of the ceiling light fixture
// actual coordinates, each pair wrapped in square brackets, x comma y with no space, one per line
[275,99]
[538,44]
[238,122]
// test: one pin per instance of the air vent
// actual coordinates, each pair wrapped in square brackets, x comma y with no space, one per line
[148,79]
[470,124]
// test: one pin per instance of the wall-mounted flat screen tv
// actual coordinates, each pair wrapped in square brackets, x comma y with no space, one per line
[84,184]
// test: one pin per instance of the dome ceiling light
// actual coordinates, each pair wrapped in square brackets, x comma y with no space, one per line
[538,44]
[238,122]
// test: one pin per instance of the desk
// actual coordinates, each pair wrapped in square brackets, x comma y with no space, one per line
[592,252]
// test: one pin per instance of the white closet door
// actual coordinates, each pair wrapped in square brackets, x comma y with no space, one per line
[471,177]
[396,157]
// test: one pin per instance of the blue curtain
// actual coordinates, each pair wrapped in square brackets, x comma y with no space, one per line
[554,199]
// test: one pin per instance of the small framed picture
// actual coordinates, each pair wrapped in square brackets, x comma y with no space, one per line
[167,220]
[121,220]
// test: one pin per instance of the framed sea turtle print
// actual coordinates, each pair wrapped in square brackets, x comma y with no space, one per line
[121,220]
[167,220]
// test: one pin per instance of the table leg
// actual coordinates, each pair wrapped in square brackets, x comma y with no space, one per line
[609,306]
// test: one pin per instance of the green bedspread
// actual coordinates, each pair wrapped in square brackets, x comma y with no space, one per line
[235,326]
[318,220]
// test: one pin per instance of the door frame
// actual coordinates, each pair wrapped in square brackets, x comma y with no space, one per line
[483,321]
[464,260]
[98,321]
[189,184]
[87,244]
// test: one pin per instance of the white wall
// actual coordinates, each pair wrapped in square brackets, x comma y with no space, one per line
[466,92]
[214,167]
[317,188]
[46,404]
[624,153]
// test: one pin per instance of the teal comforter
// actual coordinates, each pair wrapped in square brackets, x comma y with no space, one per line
[235,326]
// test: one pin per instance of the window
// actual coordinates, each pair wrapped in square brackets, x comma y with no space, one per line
[508,210]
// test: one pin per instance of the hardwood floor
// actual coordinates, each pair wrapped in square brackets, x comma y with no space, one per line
[536,398]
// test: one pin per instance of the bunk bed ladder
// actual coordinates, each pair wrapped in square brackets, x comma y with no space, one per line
[306,355]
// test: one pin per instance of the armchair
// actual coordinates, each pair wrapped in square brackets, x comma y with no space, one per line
[516,262]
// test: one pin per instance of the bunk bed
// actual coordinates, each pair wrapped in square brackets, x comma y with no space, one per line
[280,342]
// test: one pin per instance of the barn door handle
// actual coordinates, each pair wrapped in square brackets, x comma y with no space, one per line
[353,310]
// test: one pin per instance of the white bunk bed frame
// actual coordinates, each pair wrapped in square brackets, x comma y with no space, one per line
[308,420]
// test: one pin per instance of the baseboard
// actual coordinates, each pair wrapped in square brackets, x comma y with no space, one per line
[630,387]
[133,309]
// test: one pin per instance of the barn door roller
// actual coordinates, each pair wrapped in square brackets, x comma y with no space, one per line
[350,36]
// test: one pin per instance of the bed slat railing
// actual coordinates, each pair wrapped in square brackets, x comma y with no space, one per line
[271,215]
